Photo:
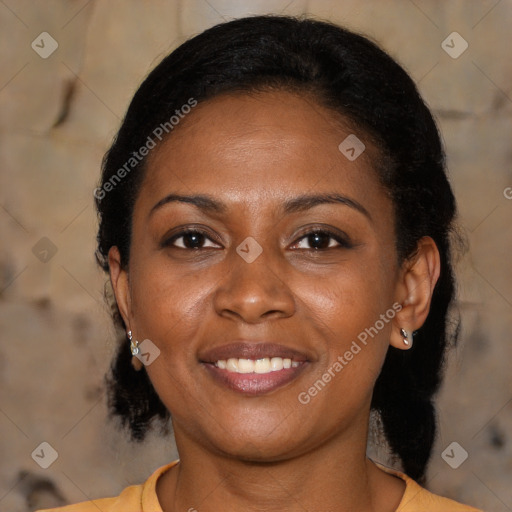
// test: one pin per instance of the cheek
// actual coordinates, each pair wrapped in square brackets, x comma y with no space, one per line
[353,310]
[168,303]
[351,298]
[169,308]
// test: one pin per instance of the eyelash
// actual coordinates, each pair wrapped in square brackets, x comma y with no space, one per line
[343,242]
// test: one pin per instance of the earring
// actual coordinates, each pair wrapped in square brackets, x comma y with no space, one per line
[405,336]
[134,347]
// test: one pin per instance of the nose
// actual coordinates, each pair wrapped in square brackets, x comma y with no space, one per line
[255,291]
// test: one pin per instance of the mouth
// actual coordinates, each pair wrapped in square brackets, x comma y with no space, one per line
[254,368]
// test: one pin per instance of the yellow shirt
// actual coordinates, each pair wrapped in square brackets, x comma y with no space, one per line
[143,498]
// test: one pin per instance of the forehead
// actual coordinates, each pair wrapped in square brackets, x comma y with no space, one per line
[250,148]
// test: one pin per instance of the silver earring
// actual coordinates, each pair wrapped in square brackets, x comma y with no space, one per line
[405,335]
[133,346]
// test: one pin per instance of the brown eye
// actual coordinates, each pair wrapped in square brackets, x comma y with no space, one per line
[192,239]
[319,240]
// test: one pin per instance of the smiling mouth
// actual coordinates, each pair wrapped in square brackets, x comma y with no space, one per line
[253,368]
[258,366]
[250,382]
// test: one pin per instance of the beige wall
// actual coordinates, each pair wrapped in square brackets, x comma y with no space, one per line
[56,335]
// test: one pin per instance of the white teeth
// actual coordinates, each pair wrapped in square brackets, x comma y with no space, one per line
[263,365]
[232,365]
[245,366]
[276,364]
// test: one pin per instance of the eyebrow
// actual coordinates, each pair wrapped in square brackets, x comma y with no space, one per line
[297,204]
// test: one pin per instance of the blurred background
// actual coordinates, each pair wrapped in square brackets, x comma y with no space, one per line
[68,70]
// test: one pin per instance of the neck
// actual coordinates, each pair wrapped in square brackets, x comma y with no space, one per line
[336,476]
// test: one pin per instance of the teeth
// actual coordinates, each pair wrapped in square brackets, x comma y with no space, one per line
[245,366]
[276,364]
[231,365]
[264,365]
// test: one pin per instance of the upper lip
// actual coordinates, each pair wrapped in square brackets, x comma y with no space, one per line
[251,350]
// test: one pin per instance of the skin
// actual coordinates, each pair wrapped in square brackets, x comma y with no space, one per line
[270,452]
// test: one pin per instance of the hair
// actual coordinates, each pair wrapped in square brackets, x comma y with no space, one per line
[363,86]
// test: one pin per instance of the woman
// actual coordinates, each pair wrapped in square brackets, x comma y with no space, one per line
[276,220]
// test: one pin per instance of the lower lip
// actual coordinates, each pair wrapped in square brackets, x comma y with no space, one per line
[254,383]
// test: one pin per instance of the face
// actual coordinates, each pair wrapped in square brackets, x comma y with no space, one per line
[262,274]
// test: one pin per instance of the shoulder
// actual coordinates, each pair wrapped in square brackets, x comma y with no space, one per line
[135,498]
[418,499]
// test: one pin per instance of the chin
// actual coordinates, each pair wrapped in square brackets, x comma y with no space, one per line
[262,452]
[264,442]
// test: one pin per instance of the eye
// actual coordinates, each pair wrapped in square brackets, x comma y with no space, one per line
[191,239]
[322,239]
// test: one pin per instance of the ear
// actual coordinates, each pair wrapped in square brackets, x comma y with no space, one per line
[120,285]
[418,277]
